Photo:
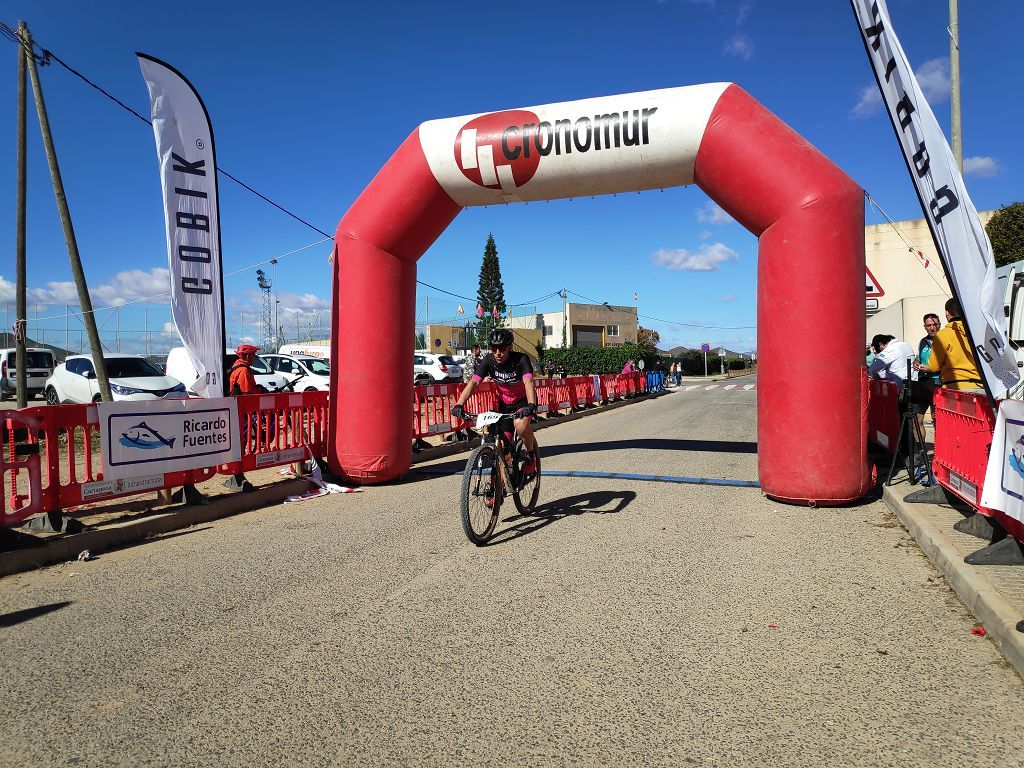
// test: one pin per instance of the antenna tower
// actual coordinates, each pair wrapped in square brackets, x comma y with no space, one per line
[266,316]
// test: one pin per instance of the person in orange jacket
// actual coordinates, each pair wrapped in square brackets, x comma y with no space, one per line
[242,381]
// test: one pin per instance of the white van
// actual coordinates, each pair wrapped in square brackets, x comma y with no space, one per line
[39,369]
[309,374]
[179,365]
[309,349]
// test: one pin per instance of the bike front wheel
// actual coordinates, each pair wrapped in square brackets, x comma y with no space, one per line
[528,488]
[482,494]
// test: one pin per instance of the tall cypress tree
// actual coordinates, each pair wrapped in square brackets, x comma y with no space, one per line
[491,292]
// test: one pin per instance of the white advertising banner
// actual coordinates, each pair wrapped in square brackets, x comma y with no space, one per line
[960,238]
[188,173]
[630,142]
[149,437]
[1004,476]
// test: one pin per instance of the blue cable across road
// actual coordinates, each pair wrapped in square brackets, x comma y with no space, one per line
[620,476]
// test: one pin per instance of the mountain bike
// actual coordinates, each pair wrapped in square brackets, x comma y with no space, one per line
[494,468]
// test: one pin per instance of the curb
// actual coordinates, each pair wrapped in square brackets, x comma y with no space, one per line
[998,615]
[122,534]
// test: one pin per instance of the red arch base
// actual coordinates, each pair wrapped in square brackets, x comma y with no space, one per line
[809,218]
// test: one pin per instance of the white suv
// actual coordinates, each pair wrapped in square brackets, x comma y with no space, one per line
[40,367]
[434,369]
[131,377]
[310,374]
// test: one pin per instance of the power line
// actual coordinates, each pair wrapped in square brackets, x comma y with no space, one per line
[661,320]
[910,246]
[48,56]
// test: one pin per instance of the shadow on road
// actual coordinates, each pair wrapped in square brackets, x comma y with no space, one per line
[653,444]
[596,502]
[17,617]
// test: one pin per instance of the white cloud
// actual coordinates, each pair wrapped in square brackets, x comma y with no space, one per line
[705,234]
[981,166]
[712,213]
[727,299]
[307,302]
[707,258]
[742,12]
[740,45]
[124,287]
[869,102]
[932,76]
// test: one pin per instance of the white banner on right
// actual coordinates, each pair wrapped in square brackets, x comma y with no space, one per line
[1004,476]
[961,240]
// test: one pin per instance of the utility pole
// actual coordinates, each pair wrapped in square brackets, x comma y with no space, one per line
[65,218]
[21,357]
[955,130]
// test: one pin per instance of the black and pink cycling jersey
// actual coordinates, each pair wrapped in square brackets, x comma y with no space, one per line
[508,376]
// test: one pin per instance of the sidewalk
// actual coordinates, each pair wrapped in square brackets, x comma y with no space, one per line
[994,594]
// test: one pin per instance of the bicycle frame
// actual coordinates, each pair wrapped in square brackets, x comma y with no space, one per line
[497,434]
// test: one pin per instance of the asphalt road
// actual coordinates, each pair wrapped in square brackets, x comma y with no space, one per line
[628,623]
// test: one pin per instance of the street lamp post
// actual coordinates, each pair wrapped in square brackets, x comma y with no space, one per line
[277,326]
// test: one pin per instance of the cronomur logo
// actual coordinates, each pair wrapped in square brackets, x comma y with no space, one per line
[502,150]
[483,160]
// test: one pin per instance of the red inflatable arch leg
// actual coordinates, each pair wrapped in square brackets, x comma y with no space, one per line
[809,219]
[807,214]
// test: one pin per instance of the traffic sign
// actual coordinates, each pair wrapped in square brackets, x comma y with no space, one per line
[705,347]
[871,286]
[437,342]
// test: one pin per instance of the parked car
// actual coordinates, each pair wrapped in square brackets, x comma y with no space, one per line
[131,377]
[39,369]
[179,365]
[434,369]
[308,349]
[310,374]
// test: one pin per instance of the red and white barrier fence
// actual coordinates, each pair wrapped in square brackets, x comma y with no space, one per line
[884,414]
[50,457]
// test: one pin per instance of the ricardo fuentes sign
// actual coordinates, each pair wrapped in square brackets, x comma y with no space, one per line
[147,437]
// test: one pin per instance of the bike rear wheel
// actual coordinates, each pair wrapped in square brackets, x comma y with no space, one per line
[526,493]
[482,494]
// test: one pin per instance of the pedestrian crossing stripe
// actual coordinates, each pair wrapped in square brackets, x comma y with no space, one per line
[725,387]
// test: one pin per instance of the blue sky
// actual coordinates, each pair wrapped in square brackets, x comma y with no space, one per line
[308,100]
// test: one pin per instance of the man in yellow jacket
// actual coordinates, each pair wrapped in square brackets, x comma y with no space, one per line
[952,357]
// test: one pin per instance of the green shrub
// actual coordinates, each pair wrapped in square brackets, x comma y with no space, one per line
[583,361]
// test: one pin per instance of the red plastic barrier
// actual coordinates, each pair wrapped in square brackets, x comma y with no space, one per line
[52,461]
[964,426]
[884,414]
[280,428]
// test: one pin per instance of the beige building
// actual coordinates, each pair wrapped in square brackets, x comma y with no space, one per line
[905,278]
[590,325]
[451,339]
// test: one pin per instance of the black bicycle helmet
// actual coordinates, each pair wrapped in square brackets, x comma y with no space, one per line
[500,337]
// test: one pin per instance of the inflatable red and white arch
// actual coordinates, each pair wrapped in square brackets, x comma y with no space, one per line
[807,214]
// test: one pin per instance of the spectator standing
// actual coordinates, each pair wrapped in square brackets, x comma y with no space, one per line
[628,367]
[892,358]
[242,381]
[471,362]
[924,350]
[951,356]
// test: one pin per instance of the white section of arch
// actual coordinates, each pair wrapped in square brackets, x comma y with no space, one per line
[672,120]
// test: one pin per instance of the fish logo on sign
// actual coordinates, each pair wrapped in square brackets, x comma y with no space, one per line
[145,437]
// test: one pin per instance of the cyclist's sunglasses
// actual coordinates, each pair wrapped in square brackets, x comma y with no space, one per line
[505,348]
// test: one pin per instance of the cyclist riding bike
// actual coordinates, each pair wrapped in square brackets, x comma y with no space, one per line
[512,373]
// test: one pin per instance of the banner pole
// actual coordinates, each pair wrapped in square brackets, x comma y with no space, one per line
[65,219]
[20,355]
